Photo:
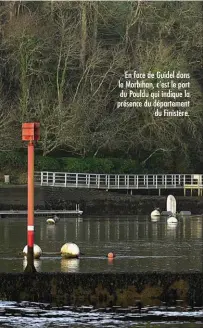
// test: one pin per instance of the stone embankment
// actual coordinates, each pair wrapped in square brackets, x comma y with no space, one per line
[93,202]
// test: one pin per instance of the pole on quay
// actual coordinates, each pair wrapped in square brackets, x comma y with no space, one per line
[30,133]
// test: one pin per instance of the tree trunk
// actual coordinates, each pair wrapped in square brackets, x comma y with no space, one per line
[83,7]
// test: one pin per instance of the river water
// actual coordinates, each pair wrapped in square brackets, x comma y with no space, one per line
[139,244]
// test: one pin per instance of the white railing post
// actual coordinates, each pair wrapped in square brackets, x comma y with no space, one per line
[65,182]
[98,181]
[53,178]
[128,183]
[88,180]
[42,178]
[76,182]
[147,181]
[118,181]
[108,181]
[156,182]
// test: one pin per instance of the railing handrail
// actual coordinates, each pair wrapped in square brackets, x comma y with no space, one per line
[86,173]
[119,181]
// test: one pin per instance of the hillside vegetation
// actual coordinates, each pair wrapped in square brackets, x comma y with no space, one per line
[60,63]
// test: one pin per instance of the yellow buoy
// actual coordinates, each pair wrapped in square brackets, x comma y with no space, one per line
[70,250]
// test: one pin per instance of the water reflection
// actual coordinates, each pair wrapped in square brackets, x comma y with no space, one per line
[139,243]
[50,232]
[70,265]
[37,264]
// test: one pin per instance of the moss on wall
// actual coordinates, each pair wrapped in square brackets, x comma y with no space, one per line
[104,289]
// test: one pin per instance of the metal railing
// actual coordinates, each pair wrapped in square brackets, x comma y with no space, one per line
[118,181]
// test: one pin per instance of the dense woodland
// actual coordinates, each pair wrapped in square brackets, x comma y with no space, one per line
[60,63]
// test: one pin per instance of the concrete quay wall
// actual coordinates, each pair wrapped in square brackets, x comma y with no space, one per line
[92,202]
[103,290]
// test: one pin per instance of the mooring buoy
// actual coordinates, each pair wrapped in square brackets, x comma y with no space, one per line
[70,250]
[51,221]
[171,204]
[111,255]
[37,252]
[172,220]
[155,214]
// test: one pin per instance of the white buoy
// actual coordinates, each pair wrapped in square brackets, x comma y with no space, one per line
[70,250]
[155,218]
[155,213]
[37,251]
[51,221]
[172,220]
[171,204]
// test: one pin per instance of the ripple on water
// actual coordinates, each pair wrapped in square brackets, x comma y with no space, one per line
[41,315]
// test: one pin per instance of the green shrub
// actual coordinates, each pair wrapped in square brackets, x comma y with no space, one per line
[86,165]
[130,166]
[116,162]
[98,165]
[17,161]
[12,160]
[72,164]
[47,163]
[22,178]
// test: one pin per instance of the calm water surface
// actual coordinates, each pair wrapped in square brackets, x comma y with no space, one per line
[140,245]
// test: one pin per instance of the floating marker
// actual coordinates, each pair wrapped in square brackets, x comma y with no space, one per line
[171,204]
[30,133]
[70,250]
[111,255]
[51,221]
[37,252]
[155,214]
